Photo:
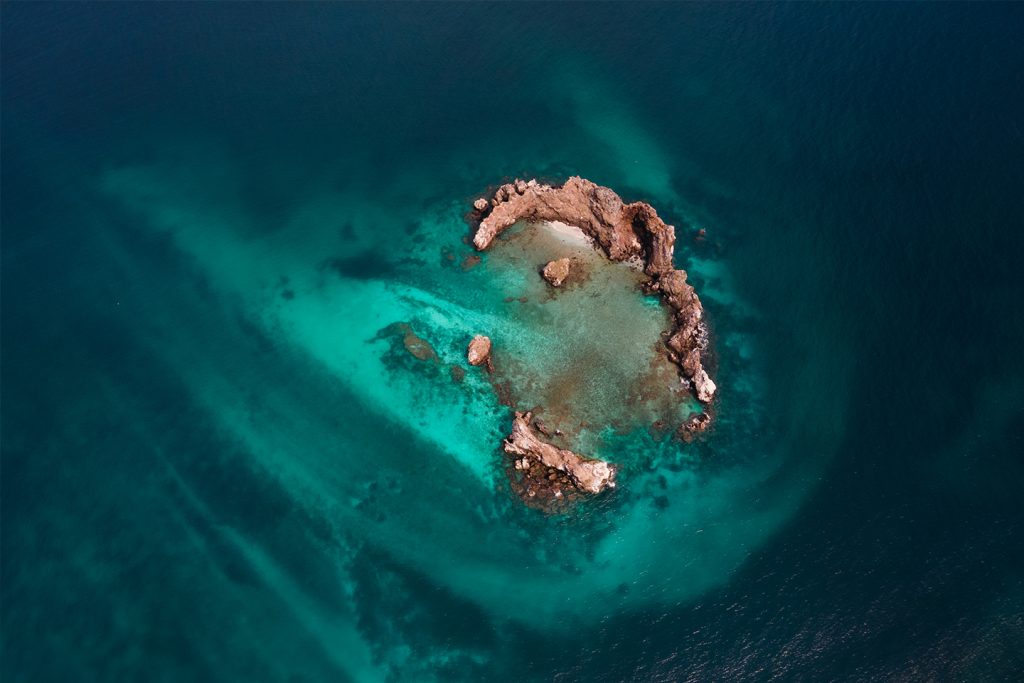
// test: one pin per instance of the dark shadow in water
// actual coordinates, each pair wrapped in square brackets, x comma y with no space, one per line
[363,266]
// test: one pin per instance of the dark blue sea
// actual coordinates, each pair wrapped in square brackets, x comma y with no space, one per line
[219,463]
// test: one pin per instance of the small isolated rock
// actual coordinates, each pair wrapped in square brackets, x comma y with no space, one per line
[694,425]
[480,204]
[479,350]
[555,272]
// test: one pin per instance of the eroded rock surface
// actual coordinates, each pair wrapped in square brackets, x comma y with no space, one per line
[479,351]
[624,232]
[694,425]
[592,476]
[555,272]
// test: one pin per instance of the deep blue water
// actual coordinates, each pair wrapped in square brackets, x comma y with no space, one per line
[212,472]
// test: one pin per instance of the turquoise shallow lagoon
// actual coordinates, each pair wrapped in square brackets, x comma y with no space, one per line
[220,462]
[325,302]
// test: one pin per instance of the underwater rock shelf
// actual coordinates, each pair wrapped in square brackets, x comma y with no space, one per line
[623,232]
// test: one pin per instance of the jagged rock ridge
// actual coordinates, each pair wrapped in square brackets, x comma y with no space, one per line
[590,475]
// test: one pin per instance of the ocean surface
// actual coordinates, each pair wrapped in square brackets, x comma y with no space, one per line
[220,463]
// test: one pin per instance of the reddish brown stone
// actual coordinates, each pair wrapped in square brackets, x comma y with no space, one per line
[589,475]
[479,350]
[556,272]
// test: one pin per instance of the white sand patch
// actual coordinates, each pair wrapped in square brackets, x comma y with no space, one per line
[569,234]
[574,236]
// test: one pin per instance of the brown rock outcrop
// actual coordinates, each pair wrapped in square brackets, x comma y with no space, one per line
[695,424]
[592,476]
[624,231]
[555,272]
[479,351]
[689,337]
[597,210]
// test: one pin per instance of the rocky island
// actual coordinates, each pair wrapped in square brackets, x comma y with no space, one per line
[632,233]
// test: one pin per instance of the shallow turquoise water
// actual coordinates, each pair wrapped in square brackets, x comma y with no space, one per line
[331,319]
[586,354]
[215,467]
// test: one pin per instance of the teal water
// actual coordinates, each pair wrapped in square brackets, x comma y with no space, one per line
[586,355]
[331,321]
[217,464]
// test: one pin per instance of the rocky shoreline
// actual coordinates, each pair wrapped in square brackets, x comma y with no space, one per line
[588,474]
[624,232]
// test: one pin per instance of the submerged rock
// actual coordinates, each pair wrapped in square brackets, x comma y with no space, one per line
[555,272]
[479,351]
[592,476]
[417,346]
